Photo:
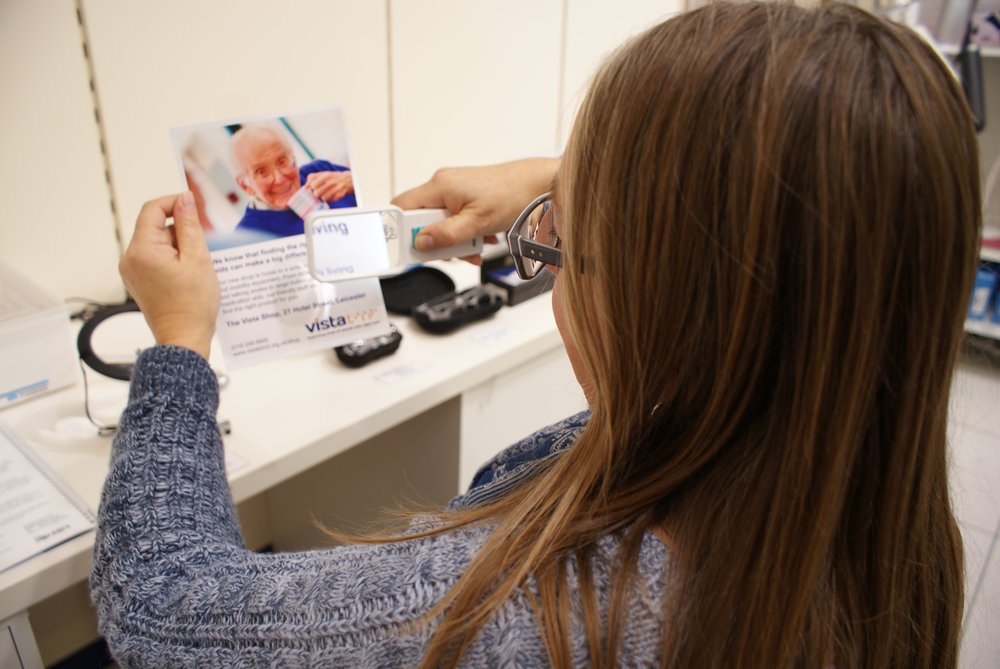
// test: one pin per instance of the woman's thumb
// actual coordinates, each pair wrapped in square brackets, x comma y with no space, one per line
[187,226]
[451,231]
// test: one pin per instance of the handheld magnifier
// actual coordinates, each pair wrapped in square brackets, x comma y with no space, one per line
[345,244]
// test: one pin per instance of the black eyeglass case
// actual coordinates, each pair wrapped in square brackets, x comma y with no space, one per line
[447,313]
[500,272]
[359,353]
[416,286]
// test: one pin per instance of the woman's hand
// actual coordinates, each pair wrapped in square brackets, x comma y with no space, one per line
[169,273]
[482,200]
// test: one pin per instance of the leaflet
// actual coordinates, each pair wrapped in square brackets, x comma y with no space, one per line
[254,180]
[37,510]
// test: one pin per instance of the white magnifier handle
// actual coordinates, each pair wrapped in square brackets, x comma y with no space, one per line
[348,244]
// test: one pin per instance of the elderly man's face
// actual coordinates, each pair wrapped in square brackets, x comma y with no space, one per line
[269,170]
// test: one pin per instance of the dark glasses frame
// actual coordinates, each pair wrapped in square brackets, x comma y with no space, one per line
[525,250]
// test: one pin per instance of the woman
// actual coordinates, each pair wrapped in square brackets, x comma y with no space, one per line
[764,232]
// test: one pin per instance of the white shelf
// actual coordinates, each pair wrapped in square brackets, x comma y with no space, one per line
[986,51]
[990,254]
[983,328]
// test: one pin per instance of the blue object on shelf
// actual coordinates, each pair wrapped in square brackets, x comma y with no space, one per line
[996,298]
[982,294]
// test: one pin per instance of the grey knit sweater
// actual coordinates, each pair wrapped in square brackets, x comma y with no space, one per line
[175,587]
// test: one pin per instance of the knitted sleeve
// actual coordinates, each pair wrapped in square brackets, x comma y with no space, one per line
[174,586]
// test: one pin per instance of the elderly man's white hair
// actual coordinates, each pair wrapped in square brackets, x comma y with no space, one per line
[250,132]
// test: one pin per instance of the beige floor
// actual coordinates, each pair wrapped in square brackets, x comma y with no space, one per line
[975,450]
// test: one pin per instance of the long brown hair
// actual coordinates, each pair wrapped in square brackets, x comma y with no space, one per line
[770,217]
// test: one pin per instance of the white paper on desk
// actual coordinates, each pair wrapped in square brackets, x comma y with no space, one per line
[245,175]
[37,510]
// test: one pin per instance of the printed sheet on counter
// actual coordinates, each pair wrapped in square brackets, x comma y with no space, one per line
[37,509]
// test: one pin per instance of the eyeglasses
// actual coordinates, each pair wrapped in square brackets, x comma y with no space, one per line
[533,240]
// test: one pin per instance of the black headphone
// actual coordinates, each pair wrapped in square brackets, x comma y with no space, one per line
[86,351]
[121,371]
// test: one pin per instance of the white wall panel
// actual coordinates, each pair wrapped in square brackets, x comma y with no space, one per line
[57,225]
[594,28]
[473,82]
[161,65]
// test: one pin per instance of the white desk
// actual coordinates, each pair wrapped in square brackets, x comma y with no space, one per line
[290,415]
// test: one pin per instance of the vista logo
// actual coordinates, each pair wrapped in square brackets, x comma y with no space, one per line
[334,322]
[328,323]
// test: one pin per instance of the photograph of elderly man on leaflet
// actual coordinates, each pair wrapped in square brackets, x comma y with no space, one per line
[267,171]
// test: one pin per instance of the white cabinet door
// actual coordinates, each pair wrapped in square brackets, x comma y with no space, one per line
[57,224]
[17,644]
[161,65]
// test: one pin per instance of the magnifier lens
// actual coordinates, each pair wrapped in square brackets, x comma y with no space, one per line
[353,244]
